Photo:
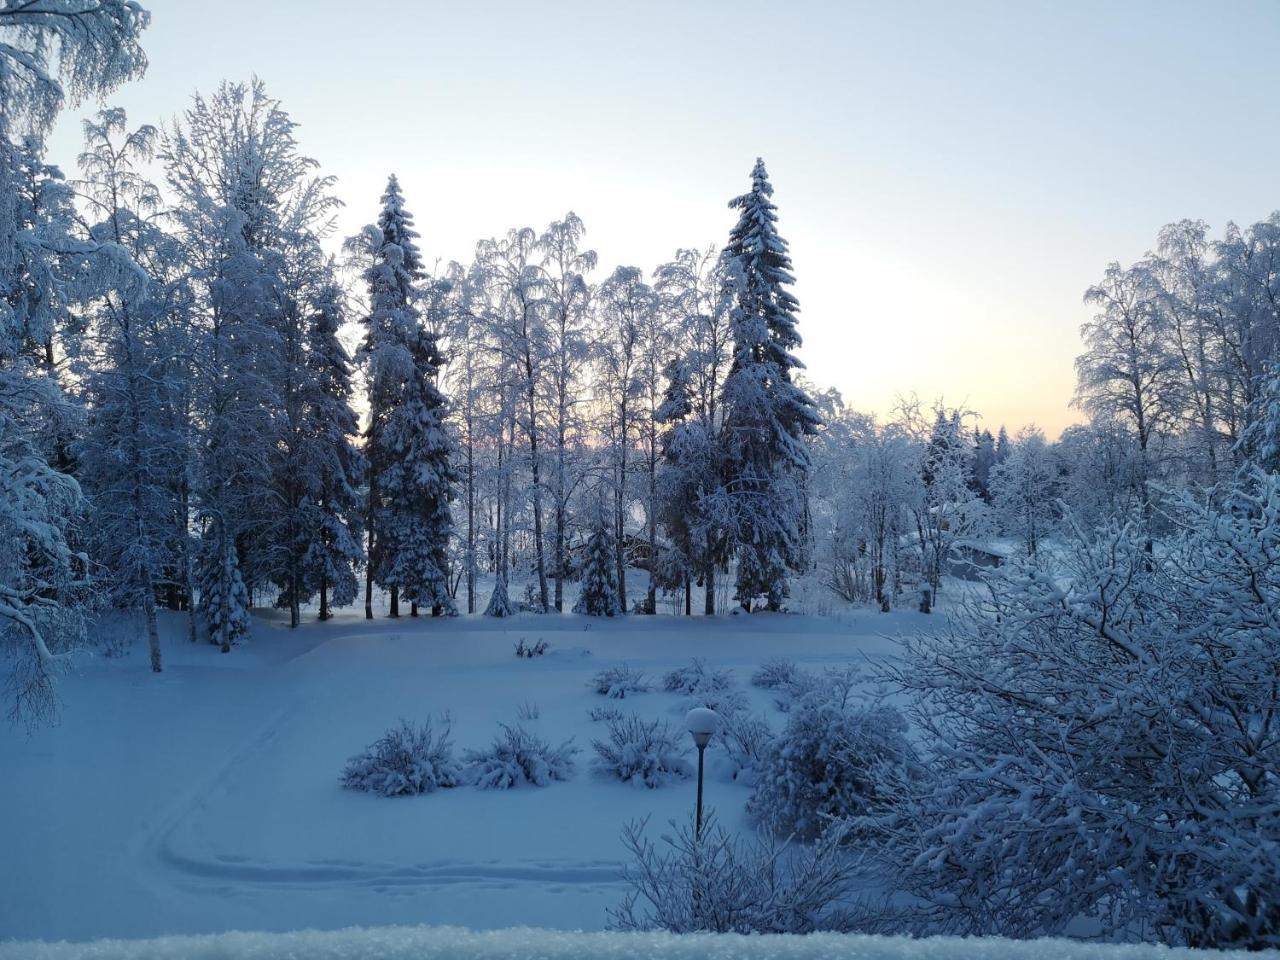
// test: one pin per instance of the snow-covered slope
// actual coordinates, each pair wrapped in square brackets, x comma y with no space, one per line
[446,943]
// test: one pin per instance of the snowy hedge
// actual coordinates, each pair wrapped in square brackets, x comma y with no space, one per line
[454,943]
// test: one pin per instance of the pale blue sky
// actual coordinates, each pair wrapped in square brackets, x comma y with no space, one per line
[951,176]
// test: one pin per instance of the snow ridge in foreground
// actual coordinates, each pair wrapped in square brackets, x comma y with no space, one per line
[455,943]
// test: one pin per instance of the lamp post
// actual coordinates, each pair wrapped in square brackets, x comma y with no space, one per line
[702,723]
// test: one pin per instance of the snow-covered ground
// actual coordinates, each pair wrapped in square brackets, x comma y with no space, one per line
[206,799]
[425,943]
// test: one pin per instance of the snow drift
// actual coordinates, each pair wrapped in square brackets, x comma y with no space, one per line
[453,943]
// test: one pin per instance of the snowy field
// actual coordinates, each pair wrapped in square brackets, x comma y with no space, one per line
[207,799]
[426,943]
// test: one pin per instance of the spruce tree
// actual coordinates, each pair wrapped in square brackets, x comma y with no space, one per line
[408,448]
[416,483]
[764,458]
[599,594]
[333,467]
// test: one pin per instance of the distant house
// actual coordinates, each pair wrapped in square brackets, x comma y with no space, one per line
[970,557]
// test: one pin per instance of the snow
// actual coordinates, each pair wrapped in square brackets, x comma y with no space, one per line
[207,798]
[453,943]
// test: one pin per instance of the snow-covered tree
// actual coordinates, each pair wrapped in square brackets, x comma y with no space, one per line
[947,512]
[598,596]
[767,416]
[624,305]
[50,50]
[515,313]
[331,466]
[1023,489]
[244,194]
[566,299]
[1107,742]
[417,482]
[1128,371]
[692,294]
[133,448]
[408,447]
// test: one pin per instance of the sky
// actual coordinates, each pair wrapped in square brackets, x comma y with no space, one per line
[951,176]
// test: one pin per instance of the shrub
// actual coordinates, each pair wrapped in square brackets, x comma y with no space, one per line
[529,652]
[604,713]
[697,678]
[406,760]
[722,884]
[518,756]
[638,752]
[747,742]
[833,760]
[775,674]
[618,683]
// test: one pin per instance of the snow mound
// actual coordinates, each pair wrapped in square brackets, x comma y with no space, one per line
[454,943]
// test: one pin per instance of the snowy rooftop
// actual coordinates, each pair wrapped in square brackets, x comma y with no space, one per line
[451,943]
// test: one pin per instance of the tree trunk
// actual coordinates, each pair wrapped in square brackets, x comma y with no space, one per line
[149,614]
[537,484]
[324,598]
[395,602]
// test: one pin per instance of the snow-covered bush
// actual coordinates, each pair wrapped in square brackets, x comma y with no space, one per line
[618,683]
[1107,736]
[747,741]
[775,674]
[516,757]
[723,884]
[697,678]
[598,714]
[834,759]
[528,651]
[406,760]
[532,602]
[644,753]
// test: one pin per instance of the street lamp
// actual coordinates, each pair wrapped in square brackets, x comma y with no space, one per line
[702,723]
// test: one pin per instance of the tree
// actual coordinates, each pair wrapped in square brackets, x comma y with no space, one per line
[1023,489]
[400,367]
[1127,371]
[566,300]
[133,387]
[765,459]
[249,211]
[1106,738]
[417,482]
[947,511]
[331,466]
[43,577]
[694,295]
[624,305]
[598,596]
[515,317]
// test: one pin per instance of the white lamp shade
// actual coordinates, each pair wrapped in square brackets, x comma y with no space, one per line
[702,722]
